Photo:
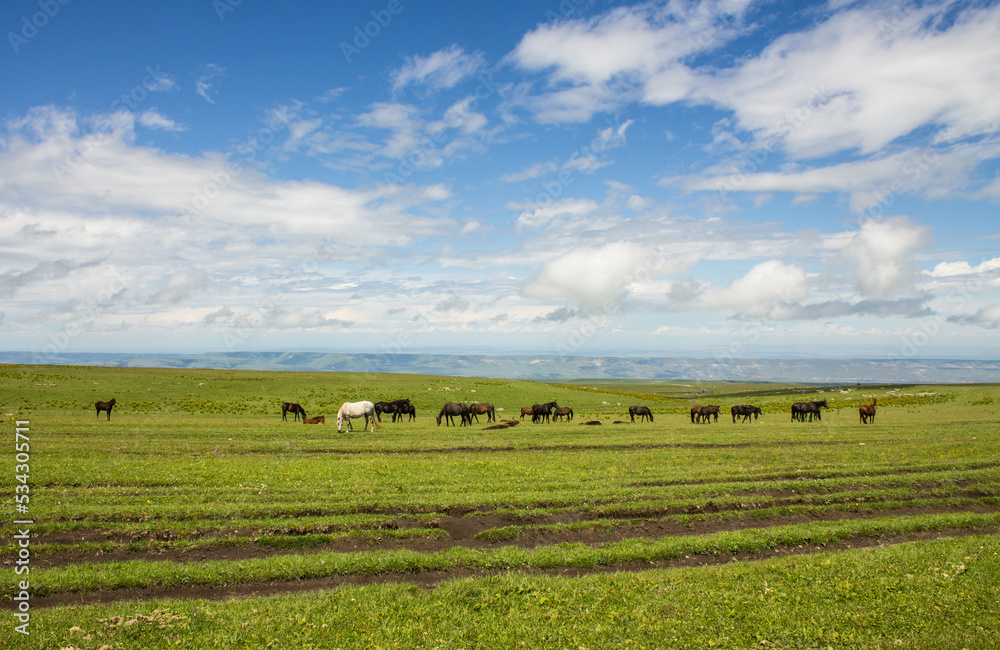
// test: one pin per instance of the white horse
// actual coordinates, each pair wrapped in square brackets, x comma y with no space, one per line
[351,410]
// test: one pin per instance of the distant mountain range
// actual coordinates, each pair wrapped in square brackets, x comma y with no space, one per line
[547,367]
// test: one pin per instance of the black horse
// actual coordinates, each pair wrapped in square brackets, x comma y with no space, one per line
[295,409]
[801,409]
[390,407]
[539,411]
[105,406]
[745,411]
[406,409]
[450,410]
[641,411]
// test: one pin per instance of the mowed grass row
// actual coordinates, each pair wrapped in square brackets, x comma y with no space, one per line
[170,478]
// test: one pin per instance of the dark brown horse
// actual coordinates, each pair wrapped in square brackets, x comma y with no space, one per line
[319,419]
[801,409]
[867,412]
[450,410]
[539,411]
[745,411]
[562,412]
[705,412]
[105,406]
[485,408]
[641,411]
[295,409]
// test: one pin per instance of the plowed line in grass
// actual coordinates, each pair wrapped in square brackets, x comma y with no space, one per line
[432,579]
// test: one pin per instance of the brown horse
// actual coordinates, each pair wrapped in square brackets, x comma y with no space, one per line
[105,406]
[542,411]
[295,409]
[562,412]
[319,419]
[705,412]
[527,410]
[867,412]
[485,408]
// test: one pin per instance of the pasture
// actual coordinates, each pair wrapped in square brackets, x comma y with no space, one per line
[197,517]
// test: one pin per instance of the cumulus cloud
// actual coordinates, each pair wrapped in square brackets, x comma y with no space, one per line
[880,256]
[754,295]
[591,276]
[154,120]
[952,269]
[988,317]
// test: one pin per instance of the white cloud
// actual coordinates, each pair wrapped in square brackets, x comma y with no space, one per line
[880,256]
[590,276]
[534,171]
[439,70]
[154,120]
[951,269]
[754,295]
[205,84]
[534,215]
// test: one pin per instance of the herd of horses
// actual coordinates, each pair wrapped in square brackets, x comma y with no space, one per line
[550,411]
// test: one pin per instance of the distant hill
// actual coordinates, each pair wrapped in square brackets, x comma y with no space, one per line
[555,367]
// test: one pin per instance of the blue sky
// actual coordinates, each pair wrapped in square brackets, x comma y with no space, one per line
[726,178]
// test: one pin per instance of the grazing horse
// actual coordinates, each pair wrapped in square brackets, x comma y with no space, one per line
[641,411]
[390,407]
[539,411]
[450,410]
[867,412]
[527,410]
[801,409]
[295,409]
[745,411]
[705,412]
[319,419]
[475,410]
[350,410]
[406,409]
[562,412]
[105,406]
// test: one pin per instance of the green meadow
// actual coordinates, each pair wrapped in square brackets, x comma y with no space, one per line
[195,517]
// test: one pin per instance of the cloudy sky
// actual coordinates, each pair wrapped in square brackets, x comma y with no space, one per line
[718,177]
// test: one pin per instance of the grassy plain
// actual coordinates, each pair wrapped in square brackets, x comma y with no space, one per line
[664,534]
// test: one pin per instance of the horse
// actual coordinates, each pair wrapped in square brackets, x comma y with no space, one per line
[406,409]
[801,409]
[390,407]
[450,410]
[745,410]
[105,406]
[562,412]
[295,409]
[350,410]
[705,412]
[641,411]
[527,410]
[319,419]
[867,412]
[475,410]
[539,411]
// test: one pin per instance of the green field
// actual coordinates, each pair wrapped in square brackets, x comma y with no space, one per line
[196,517]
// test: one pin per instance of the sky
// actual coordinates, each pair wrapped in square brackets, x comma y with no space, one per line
[722,178]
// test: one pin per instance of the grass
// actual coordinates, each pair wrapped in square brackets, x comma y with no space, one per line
[197,463]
